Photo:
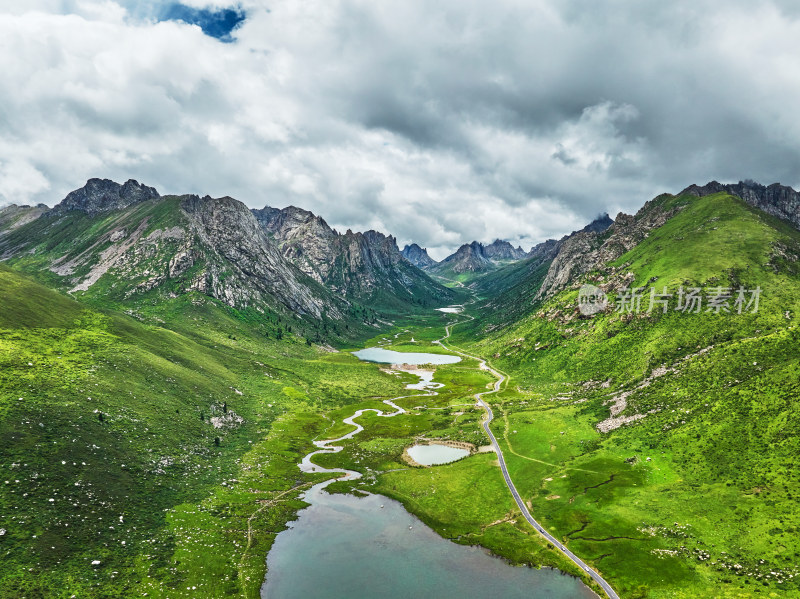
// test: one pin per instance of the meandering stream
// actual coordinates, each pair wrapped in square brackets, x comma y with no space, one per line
[343,546]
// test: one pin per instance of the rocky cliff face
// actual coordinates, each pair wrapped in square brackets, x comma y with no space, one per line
[418,256]
[13,216]
[304,238]
[103,195]
[362,266]
[777,200]
[500,250]
[242,266]
[215,246]
[590,248]
[547,250]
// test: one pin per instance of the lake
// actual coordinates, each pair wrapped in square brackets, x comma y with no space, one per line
[431,455]
[344,546]
[387,356]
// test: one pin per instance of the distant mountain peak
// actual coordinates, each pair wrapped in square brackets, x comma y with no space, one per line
[103,195]
[418,256]
[599,224]
[475,257]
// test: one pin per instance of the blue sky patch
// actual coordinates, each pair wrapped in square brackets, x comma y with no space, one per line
[215,23]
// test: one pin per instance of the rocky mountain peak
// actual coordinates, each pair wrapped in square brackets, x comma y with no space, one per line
[247,266]
[103,195]
[775,199]
[476,257]
[585,250]
[503,250]
[470,257]
[354,264]
[377,238]
[290,222]
[417,256]
[598,225]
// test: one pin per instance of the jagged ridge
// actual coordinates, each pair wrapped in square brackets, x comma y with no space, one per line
[418,256]
[363,266]
[126,244]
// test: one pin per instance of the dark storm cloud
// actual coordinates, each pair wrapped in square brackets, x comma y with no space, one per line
[439,123]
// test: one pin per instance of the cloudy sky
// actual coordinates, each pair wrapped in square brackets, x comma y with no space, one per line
[439,122]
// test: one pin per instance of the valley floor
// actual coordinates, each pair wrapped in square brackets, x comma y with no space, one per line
[627,507]
[195,514]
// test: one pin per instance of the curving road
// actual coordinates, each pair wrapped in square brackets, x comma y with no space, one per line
[327,446]
[501,378]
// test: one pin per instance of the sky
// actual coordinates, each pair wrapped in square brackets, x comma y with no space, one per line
[437,122]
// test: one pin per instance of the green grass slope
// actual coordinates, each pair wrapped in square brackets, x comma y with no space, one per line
[137,459]
[505,295]
[446,273]
[693,493]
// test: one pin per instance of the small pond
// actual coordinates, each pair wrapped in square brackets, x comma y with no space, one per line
[431,455]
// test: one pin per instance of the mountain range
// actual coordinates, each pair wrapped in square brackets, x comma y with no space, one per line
[474,258]
[129,245]
[662,419]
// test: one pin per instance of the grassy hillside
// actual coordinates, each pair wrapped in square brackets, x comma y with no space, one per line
[690,492]
[445,272]
[506,295]
[138,459]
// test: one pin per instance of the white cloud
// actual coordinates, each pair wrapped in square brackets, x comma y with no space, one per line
[437,123]
[19,179]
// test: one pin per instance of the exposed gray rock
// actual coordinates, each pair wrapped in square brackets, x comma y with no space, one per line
[547,250]
[213,246]
[586,250]
[776,199]
[502,250]
[475,258]
[354,265]
[102,195]
[243,266]
[304,238]
[418,256]
[13,216]
[470,257]
[598,225]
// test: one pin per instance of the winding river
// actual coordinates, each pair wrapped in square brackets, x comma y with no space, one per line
[343,546]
